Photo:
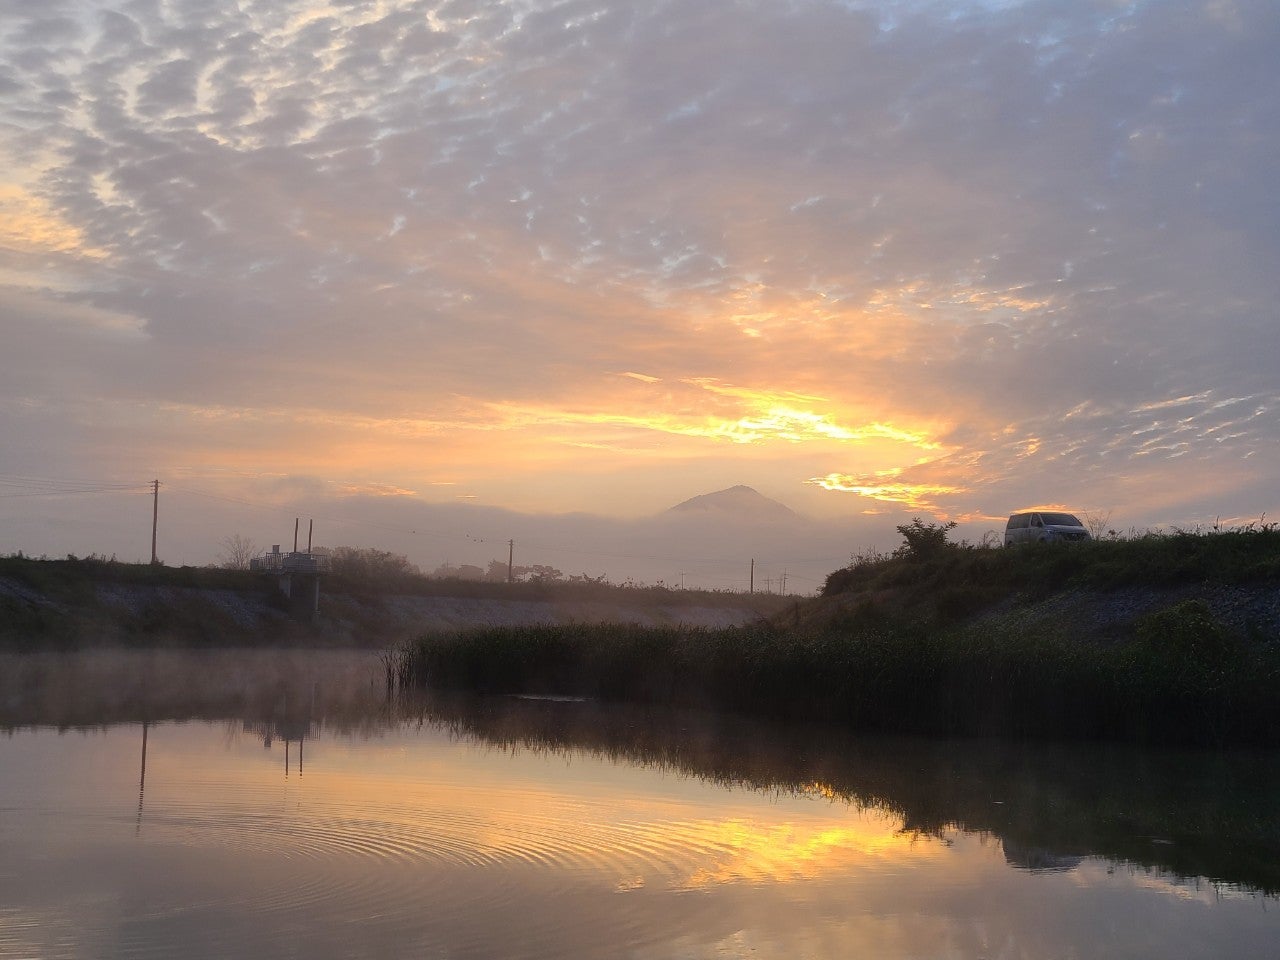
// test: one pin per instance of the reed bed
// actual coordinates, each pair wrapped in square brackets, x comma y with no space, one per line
[1181,680]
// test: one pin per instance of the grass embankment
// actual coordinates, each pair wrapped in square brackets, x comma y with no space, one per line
[933,641]
[92,602]
[84,602]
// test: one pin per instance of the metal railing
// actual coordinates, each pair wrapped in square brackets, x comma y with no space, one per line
[294,562]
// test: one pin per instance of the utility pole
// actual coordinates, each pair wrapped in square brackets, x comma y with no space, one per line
[752,588]
[155,517]
[784,582]
[511,556]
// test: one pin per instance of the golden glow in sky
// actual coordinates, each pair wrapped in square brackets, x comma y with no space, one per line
[604,264]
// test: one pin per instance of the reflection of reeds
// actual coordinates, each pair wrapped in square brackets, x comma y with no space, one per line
[892,674]
[1195,814]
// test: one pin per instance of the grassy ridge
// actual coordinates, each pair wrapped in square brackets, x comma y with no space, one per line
[88,602]
[1234,556]
[905,643]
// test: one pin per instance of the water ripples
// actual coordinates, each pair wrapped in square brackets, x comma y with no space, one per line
[409,854]
[566,838]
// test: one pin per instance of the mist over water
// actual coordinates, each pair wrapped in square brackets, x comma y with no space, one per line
[286,803]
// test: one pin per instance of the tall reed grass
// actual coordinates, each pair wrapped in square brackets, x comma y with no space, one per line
[891,676]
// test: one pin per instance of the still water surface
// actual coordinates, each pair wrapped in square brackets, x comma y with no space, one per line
[284,805]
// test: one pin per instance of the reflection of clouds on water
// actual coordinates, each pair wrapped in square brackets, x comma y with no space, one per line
[756,852]
[419,834]
[1057,804]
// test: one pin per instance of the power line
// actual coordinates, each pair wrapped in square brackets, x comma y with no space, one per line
[51,487]
[15,486]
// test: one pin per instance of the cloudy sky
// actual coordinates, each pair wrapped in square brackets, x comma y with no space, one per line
[530,258]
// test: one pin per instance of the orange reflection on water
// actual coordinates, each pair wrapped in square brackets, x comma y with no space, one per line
[763,852]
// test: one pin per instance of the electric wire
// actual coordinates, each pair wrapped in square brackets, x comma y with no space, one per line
[27,486]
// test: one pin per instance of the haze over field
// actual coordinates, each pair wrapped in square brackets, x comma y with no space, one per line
[448,274]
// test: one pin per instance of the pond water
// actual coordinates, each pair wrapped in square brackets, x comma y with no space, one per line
[285,804]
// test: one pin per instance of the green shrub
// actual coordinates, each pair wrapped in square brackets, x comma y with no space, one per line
[922,541]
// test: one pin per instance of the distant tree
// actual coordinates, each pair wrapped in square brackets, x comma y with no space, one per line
[464,571]
[236,552]
[921,540]
[369,565]
[541,573]
[498,572]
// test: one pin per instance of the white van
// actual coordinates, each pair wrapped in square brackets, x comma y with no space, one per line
[1042,526]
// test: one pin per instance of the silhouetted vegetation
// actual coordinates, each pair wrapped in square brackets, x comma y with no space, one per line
[934,640]
[885,676]
[1159,560]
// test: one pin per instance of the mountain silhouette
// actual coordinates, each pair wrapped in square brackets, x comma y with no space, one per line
[742,502]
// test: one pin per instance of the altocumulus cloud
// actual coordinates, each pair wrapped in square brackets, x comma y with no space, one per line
[978,254]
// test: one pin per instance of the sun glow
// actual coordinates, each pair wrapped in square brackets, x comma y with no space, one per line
[916,496]
[706,408]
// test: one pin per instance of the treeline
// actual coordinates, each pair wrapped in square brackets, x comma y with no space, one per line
[370,567]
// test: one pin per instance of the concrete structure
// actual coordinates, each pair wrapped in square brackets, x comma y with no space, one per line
[297,576]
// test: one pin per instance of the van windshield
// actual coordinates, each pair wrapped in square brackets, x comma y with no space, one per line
[1059,520]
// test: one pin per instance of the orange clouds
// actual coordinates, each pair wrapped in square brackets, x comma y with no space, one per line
[29,225]
[708,409]
[913,496]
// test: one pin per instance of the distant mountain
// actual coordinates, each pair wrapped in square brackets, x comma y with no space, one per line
[741,502]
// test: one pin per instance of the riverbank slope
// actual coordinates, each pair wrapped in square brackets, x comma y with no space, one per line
[1158,639]
[91,602]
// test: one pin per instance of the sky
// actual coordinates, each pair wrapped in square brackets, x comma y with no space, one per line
[448,274]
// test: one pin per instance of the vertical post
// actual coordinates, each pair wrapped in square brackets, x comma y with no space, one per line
[311,525]
[511,556]
[752,588]
[142,778]
[155,517]
[295,534]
